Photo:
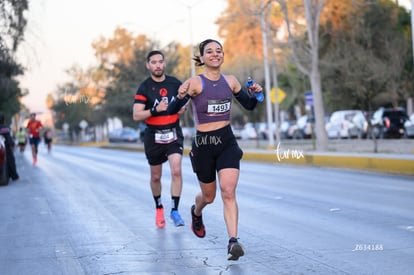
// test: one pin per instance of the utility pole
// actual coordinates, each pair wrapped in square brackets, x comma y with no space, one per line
[191,42]
[410,99]
[267,74]
[190,7]
[412,26]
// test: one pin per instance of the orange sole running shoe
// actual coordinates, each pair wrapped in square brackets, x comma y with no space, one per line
[197,225]
[159,217]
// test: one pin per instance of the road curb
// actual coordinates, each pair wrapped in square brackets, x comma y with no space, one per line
[392,165]
[380,163]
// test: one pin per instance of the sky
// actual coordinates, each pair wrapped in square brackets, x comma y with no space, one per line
[60,33]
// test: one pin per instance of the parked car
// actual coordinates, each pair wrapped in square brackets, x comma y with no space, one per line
[285,126]
[389,122]
[301,129]
[125,134]
[4,177]
[346,124]
[263,130]
[248,131]
[361,125]
[409,127]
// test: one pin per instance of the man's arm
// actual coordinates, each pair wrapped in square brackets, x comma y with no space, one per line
[139,113]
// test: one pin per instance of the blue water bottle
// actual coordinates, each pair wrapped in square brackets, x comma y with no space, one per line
[259,95]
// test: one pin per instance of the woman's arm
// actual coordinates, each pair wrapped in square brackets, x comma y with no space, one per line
[245,99]
[190,88]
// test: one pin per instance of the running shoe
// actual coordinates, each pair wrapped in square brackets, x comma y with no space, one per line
[159,217]
[235,250]
[197,224]
[175,216]
[34,161]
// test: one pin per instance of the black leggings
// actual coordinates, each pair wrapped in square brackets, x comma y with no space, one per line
[213,151]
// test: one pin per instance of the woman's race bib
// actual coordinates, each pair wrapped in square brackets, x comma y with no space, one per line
[217,107]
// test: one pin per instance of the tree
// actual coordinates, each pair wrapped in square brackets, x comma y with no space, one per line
[79,99]
[368,55]
[243,47]
[70,108]
[12,26]
[124,68]
[10,94]
[12,22]
[120,93]
[50,101]
[310,65]
[243,37]
[108,90]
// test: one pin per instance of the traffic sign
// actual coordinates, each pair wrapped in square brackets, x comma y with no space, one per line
[83,124]
[309,98]
[281,95]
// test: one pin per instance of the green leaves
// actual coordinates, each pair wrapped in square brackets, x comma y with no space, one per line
[12,26]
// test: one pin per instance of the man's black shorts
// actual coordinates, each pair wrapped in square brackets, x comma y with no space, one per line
[157,153]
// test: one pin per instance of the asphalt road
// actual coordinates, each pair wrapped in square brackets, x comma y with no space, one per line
[90,211]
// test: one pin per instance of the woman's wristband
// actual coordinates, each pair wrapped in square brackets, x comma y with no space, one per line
[175,106]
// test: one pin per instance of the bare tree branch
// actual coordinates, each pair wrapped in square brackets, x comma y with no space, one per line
[291,40]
